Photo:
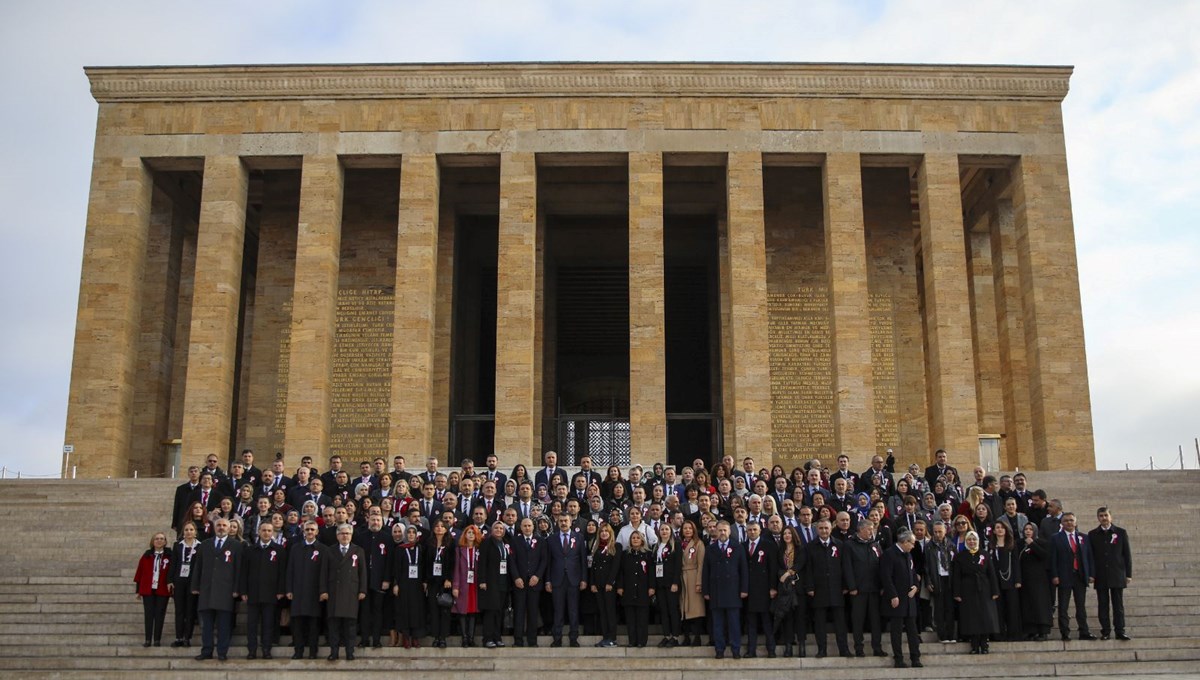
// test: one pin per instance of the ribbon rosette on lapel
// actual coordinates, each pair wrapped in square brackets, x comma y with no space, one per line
[272,555]
[1114,539]
[382,549]
[354,560]
[982,559]
[835,552]
[315,555]
[228,555]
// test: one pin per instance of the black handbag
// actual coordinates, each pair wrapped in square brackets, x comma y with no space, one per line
[445,599]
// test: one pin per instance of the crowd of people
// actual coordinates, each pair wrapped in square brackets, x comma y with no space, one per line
[382,556]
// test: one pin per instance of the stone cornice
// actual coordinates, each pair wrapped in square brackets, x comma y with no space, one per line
[442,81]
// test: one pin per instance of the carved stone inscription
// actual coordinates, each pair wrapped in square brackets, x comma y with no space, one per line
[883,370]
[362,367]
[281,378]
[801,372]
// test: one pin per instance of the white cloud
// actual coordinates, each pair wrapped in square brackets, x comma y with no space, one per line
[1132,121]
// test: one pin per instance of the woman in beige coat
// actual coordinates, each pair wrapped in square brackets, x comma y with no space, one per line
[691,601]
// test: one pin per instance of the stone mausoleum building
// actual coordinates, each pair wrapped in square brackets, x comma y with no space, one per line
[638,261]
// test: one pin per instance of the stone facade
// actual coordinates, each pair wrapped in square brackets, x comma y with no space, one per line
[895,261]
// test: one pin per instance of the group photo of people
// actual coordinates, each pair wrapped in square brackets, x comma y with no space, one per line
[741,560]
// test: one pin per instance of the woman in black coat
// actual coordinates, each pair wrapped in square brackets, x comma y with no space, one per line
[602,576]
[409,588]
[1035,584]
[1006,558]
[635,586]
[668,574]
[494,572]
[181,578]
[792,561]
[588,613]
[973,582]
[438,571]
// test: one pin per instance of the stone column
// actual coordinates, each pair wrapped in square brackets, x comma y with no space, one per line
[411,424]
[953,416]
[748,309]
[314,308]
[849,307]
[517,414]
[989,400]
[1010,325]
[647,323]
[109,317]
[1060,402]
[216,296]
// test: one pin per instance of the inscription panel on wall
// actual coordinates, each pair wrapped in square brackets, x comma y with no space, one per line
[362,369]
[883,371]
[281,379]
[801,373]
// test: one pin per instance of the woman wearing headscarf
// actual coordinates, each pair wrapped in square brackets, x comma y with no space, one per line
[973,582]
[408,588]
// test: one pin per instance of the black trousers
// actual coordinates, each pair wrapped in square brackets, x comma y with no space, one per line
[370,615]
[525,613]
[439,617]
[821,628]
[566,609]
[342,633]
[493,619]
[606,608]
[306,632]
[943,608]
[154,608]
[1078,591]
[1008,607]
[668,612]
[1116,598]
[222,622]
[260,621]
[864,611]
[909,625]
[924,613]
[794,626]
[755,621]
[185,610]
[637,622]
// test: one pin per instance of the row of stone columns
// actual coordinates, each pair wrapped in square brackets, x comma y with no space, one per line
[1040,288]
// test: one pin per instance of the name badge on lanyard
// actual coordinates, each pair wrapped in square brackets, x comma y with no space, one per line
[414,569]
[185,570]
[658,570]
[503,561]
[437,568]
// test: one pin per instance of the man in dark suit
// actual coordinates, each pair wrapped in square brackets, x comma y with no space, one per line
[308,566]
[551,472]
[491,474]
[864,552]
[430,507]
[211,467]
[493,507]
[586,471]
[827,579]
[183,495]
[215,570]
[346,586]
[566,576]
[529,556]
[206,493]
[762,569]
[725,582]
[330,476]
[843,472]
[939,468]
[263,585]
[886,483]
[898,575]
[249,471]
[376,543]
[1070,570]
[1113,570]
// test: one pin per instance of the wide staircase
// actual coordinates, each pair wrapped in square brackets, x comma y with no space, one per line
[67,608]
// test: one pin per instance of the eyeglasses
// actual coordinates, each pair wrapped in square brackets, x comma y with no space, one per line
[960,524]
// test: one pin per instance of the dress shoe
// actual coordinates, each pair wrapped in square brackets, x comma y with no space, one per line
[1104,636]
[751,655]
[267,654]
[574,642]
[737,654]
[720,655]
[900,663]
[787,651]
[333,656]
[499,643]
[158,643]
[557,642]
[297,654]
[532,643]
[252,656]
[312,655]
[1123,637]
[845,654]
[222,657]
[489,644]
[1086,636]
[518,643]
[1066,638]
[801,650]
[917,663]
[662,642]
[880,653]
[187,642]
[673,642]
[377,644]
[146,643]
[177,643]
[349,656]
[859,653]
[770,653]
[821,654]
[203,657]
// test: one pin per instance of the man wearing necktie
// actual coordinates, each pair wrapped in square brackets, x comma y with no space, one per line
[346,586]
[307,573]
[566,576]
[529,555]
[1070,569]
[725,582]
[215,570]
[899,578]
[1113,562]
[827,579]
[262,584]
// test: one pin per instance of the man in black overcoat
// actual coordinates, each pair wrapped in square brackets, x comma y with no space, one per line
[827,579]
[864,553]
[308,566]
[762,568]
[1113,563]
[346,587]
[529,564]
[376,543]
[263,585]
[900,578]
[725,582]
[215,571]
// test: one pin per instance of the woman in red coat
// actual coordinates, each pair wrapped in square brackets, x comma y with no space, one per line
[465,590]
[154,587]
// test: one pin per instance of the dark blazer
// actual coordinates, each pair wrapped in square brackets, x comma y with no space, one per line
[377,546]
[498,477]
[566,568]
[593,477]
[672,567]
[345,580]
[635,577]
[263,573]
[543,477]
[497,508]
[1062,559]
[864,562]
[762,569]
[490,572]
[529,560]
[1112,560]
[183,494]
[214,497]
[828,573]
[307,573]
[604,569]
[435,510]
[725,576]
[932,473]
[897,575]
[215,574]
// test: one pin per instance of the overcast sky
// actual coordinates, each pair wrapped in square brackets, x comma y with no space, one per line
[1132,125]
